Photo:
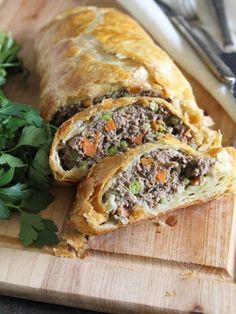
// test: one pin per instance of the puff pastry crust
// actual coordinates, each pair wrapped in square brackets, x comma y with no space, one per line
[90,216]
[89,52]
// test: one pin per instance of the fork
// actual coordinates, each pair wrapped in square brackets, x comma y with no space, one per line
[219,7]
[207,47]
[189,10]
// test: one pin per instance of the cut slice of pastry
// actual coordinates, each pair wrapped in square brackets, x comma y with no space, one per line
[112,128]
[89,54]
[149,180]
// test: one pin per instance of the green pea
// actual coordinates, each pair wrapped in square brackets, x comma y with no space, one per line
[174,120]
[135,187]
[83,165]
[147,125]
[107,116]
[154,106]
[112,150]
[123,144]
[161,126]
[157,134]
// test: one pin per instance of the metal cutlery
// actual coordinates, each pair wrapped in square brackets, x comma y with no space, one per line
[189,10]
[195,34]
[228,55]
[223,22]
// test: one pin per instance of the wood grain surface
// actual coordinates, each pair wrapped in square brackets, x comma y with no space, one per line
[186,265]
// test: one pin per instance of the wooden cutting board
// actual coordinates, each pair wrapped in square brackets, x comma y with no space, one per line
[187,265]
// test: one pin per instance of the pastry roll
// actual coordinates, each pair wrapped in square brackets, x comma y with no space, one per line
[112,128]
[89,54]
[149,180]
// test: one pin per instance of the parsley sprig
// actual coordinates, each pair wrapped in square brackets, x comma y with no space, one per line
[25,141]
[9,60]
[25,175]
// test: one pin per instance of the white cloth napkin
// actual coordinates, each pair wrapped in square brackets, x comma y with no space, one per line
[162,30]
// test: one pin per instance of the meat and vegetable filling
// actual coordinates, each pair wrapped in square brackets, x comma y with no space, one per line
[113,132]
[153,179]
[67,112]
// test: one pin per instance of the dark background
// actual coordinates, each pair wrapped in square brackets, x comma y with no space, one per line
[9,305]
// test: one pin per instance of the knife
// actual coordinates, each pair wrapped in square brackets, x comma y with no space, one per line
[193,35]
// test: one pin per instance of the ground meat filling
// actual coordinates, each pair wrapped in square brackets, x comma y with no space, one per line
[67,112]
[153,179]
[114,132]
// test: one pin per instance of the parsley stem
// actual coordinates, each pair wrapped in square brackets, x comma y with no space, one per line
[10,205]
[11,149]
[7,65]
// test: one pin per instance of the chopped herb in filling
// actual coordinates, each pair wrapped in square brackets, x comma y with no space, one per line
[115,131]
[153,179]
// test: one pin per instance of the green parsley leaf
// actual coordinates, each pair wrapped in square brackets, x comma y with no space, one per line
[41,159]
[48,235]
[32,117]
[6,177]
[32,136]
[15,192]
[37,177]
[11,161]
[4,210]
[9,49]
[38,200]
[30,225]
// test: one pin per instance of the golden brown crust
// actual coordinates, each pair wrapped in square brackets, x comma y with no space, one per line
[64,132]
[89,214]
[88,52]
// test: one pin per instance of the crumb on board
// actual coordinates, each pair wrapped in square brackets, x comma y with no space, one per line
[159,223]
[171,221]
[188,273]
[171,293]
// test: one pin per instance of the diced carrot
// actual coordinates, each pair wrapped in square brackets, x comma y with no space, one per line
[110,125]
[138,139]
[90,148]
[195,181]
[146,161]
[161,176]
[154,125]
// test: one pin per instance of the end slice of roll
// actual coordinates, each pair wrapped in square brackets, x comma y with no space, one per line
[114,127]
[149,180]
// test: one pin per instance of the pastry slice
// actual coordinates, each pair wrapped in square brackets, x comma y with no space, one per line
[149,180]
[112,128]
